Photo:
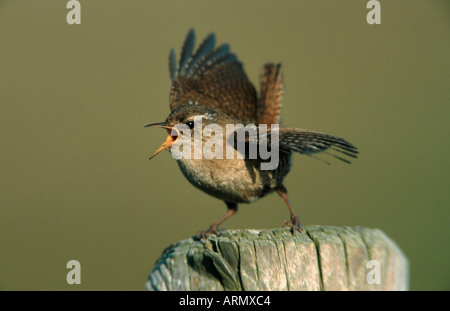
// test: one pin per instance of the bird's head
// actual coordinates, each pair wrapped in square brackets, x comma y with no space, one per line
[186,118]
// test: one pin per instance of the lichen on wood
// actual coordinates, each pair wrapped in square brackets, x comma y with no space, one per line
[320,258]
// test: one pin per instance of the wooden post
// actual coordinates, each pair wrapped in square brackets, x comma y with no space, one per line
[321,258]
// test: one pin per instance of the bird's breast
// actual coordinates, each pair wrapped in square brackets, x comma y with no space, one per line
[232,180]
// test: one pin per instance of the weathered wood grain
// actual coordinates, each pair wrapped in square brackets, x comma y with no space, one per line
[321,258]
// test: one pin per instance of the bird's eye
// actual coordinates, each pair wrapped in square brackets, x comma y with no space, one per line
[190,124]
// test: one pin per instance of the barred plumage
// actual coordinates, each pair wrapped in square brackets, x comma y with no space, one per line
[309,143]
[186,52]
[271,92]
[212,58]
[211,82]
[205,48]
[213,77]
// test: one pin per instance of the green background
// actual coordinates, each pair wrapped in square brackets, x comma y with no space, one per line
[76,182]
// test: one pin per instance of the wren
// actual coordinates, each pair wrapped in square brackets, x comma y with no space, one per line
[210,83]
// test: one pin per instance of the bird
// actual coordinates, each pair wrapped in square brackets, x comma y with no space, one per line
[209,84]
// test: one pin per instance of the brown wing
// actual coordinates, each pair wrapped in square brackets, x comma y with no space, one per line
[302,141]
[309,143]
[271,93]
[211,77]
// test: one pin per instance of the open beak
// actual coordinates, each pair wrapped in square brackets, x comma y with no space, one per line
[171,138]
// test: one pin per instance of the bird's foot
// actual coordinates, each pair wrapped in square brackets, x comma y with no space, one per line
[213,229]
[294,223]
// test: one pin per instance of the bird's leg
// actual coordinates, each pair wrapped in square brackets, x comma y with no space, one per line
[295,223]
[213,229]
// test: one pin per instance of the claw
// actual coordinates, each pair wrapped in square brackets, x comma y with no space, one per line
[294,224]
[286,223]
[211,230]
